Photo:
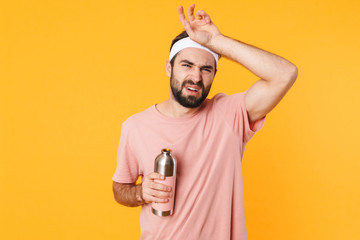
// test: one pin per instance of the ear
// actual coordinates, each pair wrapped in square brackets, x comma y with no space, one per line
[168,68]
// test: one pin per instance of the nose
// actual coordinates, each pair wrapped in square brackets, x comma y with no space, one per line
[196,74]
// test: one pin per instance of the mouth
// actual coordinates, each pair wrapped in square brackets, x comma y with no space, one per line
[192,89]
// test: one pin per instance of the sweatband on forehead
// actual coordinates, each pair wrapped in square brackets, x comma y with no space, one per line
[188,43]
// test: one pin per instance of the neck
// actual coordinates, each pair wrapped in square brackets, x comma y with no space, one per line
[171,108]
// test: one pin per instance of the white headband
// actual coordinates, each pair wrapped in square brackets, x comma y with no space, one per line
[186,43]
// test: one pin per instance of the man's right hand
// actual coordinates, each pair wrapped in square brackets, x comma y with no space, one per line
[153,191]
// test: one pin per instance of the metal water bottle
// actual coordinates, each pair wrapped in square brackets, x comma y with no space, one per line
[165,164]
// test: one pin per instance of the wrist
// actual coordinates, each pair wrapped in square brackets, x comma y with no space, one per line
[138,195]
[216,43]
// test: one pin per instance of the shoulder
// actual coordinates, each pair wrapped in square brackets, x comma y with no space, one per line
[222,98]
[138,118]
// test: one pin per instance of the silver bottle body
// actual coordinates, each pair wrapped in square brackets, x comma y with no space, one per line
[165,164]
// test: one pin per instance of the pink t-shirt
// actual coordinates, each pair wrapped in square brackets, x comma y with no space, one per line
[208,147]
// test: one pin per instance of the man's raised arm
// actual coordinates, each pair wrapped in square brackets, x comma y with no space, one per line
[276,74]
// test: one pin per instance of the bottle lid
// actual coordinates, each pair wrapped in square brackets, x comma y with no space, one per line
[166,150]
[165,163]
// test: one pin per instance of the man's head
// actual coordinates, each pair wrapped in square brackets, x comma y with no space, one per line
[182,35]
[191,71]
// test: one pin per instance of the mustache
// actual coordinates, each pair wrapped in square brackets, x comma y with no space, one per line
[190,82]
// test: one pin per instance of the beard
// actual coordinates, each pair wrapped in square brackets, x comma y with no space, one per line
[188,101]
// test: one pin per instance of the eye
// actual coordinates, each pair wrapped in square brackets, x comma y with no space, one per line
[186,65]
[207,69]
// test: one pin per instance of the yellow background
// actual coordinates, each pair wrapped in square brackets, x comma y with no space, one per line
[72,71]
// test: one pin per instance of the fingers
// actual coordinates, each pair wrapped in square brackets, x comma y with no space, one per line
[182,16]
[159,186]
[201,14]
[152,195]
[184,21]
[154,175]
[191,13]
[153,191]
[202,18]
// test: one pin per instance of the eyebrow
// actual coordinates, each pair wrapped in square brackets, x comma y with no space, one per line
[192,64]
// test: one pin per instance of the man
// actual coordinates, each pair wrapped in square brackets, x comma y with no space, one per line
[207,136]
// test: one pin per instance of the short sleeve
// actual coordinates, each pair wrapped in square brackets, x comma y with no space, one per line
[127,168]
[233,110]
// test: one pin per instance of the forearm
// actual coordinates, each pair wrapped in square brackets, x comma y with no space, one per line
[263,64]
[128,194]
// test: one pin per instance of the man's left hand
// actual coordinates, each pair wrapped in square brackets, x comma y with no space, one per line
[200,28]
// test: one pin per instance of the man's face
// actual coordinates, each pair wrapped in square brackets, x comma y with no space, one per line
[191,76]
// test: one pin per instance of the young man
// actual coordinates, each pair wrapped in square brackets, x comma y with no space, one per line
[207,136]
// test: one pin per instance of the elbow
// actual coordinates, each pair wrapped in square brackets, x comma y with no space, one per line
[293,74]
[117,199]
[117,189]
[290,74]
[115,192]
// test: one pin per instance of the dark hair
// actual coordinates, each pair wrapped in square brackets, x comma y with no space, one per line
[182,35]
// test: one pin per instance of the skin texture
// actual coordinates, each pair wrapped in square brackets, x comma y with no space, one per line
[276,76]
